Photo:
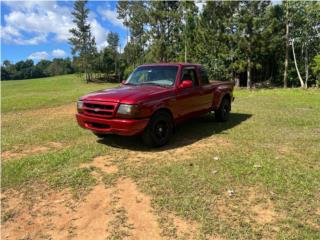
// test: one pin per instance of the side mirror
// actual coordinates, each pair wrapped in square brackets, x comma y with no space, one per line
[122,82]
[186,84]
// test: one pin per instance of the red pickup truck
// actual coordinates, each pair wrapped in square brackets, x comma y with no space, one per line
[153,100]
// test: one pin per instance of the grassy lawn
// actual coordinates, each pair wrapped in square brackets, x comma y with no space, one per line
[44,92]
[254,177]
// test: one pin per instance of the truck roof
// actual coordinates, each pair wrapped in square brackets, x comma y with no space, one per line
[170,64]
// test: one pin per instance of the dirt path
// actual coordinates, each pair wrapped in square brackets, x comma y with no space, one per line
[138,207]
[118,212]
[58,216]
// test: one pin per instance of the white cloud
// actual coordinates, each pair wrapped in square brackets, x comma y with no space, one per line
[99,32]
[39,55]
[28,5]
[111,16]
[32,22]
[58,53]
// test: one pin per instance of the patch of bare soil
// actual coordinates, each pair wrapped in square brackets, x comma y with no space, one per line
[185,229]
[261,207]
[92,217]
[138,207]
[57,215]
[264,213]
[104,163]
[313,221]
[20,151]
[252,207]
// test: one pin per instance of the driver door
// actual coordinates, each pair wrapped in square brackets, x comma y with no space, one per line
[187,99]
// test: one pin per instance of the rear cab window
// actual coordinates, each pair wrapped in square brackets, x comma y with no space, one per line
[204,76]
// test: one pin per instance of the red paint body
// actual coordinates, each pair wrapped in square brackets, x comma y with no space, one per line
[100,108]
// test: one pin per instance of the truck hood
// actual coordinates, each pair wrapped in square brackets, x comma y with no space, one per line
[125,94]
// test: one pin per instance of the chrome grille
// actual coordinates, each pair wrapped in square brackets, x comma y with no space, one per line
[99,109]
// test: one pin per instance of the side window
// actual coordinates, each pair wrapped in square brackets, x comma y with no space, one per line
[189,73]
[204,76]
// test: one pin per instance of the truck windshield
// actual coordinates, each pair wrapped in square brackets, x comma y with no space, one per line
[153,75]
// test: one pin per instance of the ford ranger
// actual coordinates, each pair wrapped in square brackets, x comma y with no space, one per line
[153,99]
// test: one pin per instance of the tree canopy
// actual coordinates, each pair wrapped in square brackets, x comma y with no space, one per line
[253,43]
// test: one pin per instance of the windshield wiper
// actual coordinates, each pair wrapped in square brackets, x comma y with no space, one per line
[151,83]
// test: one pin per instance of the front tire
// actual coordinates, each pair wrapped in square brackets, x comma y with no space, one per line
[159,130]
[223,112]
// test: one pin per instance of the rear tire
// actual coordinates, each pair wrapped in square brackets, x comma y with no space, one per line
[159,130]
[222,114]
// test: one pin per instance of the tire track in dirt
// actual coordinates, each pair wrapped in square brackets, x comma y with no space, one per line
[58,216]
[138,207]
[132,215]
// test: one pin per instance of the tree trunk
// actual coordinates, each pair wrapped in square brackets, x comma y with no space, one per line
[249,73]
[86,75]
[286,61]
[306,67]
[85,68]
[296,65]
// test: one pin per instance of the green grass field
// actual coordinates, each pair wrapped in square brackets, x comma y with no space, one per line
[254,177]
[44,92]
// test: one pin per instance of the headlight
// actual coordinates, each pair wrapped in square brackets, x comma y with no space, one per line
[79,106]
[127,110]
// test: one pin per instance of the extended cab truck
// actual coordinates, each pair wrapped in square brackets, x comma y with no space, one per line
[153,100]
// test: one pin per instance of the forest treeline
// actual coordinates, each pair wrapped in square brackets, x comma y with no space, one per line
[254,43]
[28,69]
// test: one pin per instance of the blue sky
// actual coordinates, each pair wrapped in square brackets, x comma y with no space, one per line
[40,29]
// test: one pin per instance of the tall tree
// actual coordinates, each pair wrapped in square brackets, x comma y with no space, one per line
[250,31]
[165,30]
[216,40]
[113,44]
[82,41]
[134,16]
[190,12]
[113,41]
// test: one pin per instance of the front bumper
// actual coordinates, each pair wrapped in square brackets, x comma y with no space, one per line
[125,127]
